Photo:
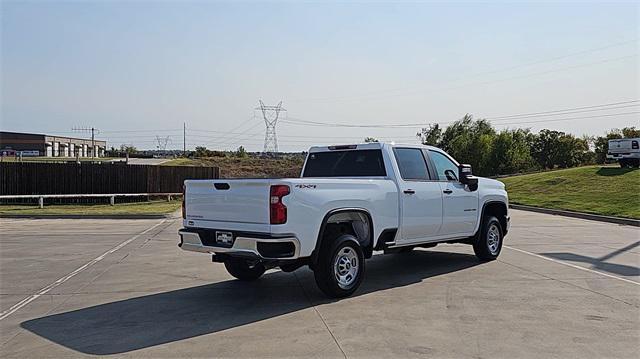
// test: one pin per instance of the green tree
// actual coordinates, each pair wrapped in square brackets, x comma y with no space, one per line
[431,135]
[470,142]
[241,152]
[555,148]
[370,139]
[130,149]
[511,152]
[630,132]
[202,151]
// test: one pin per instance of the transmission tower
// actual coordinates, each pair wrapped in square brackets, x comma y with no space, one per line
[270,115]
[163,142]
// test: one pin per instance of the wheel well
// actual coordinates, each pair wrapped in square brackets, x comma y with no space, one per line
[498,210]
[356,222]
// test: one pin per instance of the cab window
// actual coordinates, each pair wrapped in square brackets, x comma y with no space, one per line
[442,163]
[411,163]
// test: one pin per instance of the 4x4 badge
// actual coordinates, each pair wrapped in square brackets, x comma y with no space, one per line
[305,186]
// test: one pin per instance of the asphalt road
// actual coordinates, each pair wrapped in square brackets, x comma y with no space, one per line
[561,288]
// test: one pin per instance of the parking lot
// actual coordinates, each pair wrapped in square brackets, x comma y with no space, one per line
[562,287]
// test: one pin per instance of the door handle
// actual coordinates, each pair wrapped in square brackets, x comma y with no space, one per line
[409,191]
[448,191]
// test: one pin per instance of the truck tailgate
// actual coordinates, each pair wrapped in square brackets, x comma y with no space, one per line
[239,201]
[620,146]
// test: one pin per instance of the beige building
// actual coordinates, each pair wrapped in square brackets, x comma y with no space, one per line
[51,146]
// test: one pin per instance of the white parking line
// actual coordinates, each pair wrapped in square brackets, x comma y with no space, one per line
[58,282]
[572,265]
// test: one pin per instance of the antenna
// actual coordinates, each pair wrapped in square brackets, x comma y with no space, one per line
[270,115]
[93,138]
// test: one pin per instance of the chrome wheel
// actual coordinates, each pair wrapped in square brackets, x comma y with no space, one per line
[493,238]
[345,267]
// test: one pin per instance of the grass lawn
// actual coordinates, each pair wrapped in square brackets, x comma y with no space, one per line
[152,207]
[611,191]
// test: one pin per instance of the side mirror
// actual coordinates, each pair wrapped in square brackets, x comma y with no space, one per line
[466,177]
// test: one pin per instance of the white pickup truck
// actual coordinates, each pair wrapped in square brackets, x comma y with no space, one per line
[350,201]
[626,151]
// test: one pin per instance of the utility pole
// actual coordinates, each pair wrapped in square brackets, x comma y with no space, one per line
[93,138]
[184,139]
[270,115]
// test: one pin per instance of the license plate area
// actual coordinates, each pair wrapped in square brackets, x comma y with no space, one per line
[224,238]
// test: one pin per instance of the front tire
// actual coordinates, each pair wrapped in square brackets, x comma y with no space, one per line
[243,269]
[488,244]
[340,267]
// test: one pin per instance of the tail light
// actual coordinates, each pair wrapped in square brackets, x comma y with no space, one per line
[184,201]
[634,145]
[277,209]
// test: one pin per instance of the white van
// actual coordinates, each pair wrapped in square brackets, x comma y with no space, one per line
[626,151]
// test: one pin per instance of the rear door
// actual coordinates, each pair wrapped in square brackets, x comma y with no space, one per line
[460,205]
[420,197]
[233,201]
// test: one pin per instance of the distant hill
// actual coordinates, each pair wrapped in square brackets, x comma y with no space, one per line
[247,167]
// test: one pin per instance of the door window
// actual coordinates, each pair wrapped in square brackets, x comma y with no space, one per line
[442,163]
[411,163]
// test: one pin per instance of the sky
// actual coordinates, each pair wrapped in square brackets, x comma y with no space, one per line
[138,70]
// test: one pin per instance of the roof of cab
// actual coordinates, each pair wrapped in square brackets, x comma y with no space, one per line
[365,146]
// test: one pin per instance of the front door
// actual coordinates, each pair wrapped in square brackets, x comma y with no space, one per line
[420,197]
[460,205]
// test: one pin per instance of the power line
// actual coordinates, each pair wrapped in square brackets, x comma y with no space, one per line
[496,118]
[501,124]
[571,118]
[555,112]
[382,92]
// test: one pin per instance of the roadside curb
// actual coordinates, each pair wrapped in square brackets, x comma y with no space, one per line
[588,216]
[81,216]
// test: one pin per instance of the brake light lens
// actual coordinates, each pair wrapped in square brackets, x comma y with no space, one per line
[184,201]
[277,209]
[634,145]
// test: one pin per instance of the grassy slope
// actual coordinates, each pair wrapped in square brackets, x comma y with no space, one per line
[156,207]
[609,191]
[233,167]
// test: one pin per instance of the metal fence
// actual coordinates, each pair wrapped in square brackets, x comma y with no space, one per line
[96,178]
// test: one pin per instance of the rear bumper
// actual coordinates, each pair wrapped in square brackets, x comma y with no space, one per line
[245,244]
[622,156]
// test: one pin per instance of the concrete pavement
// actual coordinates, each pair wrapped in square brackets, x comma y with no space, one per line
[562,287]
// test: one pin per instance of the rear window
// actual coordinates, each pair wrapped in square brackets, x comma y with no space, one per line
[359,163]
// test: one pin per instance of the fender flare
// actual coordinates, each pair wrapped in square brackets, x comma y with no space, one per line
[484,207]
[323,224]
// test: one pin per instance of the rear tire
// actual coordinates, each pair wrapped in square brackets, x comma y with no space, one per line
[340,267]
[243,269]
[488,244]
